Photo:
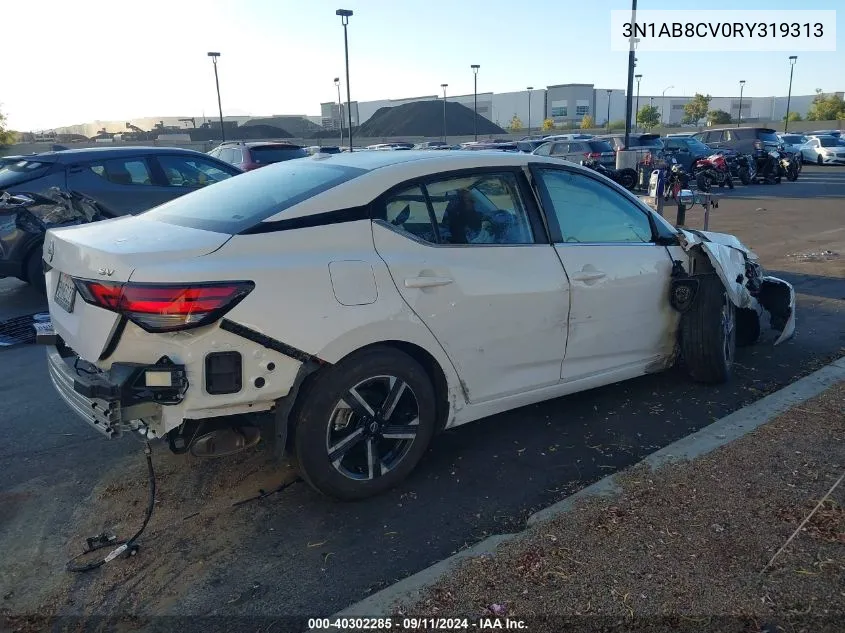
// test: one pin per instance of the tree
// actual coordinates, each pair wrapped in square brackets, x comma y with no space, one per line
[587,123]
[7,137]
[718,117]
[696,108]
[648,117]
[548,124]
[794,116]
[826,107]
[515,124]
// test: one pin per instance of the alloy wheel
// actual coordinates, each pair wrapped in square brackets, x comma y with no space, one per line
[728,320]
[372,428]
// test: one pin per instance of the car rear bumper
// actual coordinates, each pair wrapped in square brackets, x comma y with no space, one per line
[111,401]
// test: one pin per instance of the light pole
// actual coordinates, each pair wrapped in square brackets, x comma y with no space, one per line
[609,92]
[444,86]
[637,108]
[214,57]
[529,89]
[344,19]
[475,68]
[663,112]
[339,107]
[741,88]
[792,60]
[629,87]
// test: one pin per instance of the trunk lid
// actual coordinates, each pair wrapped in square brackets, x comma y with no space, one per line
[110,251]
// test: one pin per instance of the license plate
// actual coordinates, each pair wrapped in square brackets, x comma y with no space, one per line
[65,292]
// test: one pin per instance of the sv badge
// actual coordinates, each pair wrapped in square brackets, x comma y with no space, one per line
[107,272]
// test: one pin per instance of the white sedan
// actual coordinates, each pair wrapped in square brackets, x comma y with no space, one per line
[823,150]
[347,307]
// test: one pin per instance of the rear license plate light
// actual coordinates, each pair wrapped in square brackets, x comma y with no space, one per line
[65,295]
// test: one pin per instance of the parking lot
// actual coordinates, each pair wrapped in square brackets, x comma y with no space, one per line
[296,552]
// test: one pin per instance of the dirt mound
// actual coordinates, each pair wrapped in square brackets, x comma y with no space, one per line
[425,118]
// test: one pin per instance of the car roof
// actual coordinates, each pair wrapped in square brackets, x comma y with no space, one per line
[744,127]
[104,153]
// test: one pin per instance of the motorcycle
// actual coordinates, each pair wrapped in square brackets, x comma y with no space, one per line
[677,179]
[767,162]
[741,166]
[788,165]
[710,170]
[626,177]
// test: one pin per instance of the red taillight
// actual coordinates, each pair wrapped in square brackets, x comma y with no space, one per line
[166,307]
[592,155]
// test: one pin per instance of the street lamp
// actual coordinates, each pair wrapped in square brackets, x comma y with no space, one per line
[444,86]
[637,108]
[475,68]
[344,19]
[339,107]
[629,86]
[792,60]
[663,113]
[608,110]
[214,57]
[741,88]
[529,89]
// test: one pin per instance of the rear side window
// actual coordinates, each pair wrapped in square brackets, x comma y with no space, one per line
[236,204]
[21,171]
[600,146]
[182,171]
[123,171]
[266,154]
[768,136]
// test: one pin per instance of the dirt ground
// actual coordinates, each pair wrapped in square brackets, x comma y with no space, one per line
[685,546]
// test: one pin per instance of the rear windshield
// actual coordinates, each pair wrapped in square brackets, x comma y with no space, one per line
[768,136]
[239,203]
[600,146]
[829,142]
[647,141]
[266,154]
[21,171]
[793,139]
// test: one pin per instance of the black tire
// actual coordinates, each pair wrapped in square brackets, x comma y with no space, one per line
[708,333]
[35,270]
[321,403]
[747,327]
[792,174]
[744,176]
[819,161]
[703,182]
[730,182]
[627,178]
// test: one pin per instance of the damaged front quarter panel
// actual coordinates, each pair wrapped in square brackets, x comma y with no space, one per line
[743,278]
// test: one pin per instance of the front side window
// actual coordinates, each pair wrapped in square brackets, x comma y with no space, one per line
[123,171]
[589,212]
[544,150]
[181,171]
[478,209]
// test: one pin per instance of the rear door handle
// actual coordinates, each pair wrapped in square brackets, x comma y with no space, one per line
[427,282]
[588,275]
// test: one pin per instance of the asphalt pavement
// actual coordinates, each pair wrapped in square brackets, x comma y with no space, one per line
[296,553]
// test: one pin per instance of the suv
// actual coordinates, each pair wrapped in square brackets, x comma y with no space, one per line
[686,150]
[576,151]
[739,139]
[651,142]
[249,156]
[84,185]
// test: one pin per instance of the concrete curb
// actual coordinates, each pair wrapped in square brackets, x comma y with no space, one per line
[711,437]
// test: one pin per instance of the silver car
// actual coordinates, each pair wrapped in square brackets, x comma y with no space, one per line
[792,144]
[823,150]
[576,151]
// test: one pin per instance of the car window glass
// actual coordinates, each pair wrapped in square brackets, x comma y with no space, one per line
[589,211]
[576,147]
[123,171]
[480,209]
[408,211]
[182,171]
[544,150]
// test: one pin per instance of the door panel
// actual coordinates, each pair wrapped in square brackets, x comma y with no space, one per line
[122,186]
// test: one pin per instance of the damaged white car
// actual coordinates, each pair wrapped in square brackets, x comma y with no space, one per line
[347,307]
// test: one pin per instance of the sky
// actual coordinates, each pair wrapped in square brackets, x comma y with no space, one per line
[73,62]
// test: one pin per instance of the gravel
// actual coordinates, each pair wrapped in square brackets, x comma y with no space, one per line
[683,548]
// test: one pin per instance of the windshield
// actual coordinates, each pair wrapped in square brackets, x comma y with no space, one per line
[21,171]
[237,204]
[695,144]
[647,141]
[266,154]
[793,139]
[768,136]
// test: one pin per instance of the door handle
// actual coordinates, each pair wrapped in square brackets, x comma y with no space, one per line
[588,275]
[427,282]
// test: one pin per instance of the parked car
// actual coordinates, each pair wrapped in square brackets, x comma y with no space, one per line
[740,139]
[323,149]
[835,133]
[431,145]
[640,142]
[105,182]
[576,151]
[247,156]
[9,160]
[823,150]
[575,136]
[390,146]
[311,302]
[792,144]
[686,150]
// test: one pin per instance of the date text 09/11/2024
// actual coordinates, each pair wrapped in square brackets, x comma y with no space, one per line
[417,624]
